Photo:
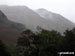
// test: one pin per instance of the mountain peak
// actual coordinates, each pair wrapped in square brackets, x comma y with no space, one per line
[45,13]
[42,9]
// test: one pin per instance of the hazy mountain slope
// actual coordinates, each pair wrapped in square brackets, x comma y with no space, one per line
[3,19]
[11,24]
[60,23]
[31,19]
[7,34]
[24,15]
[53,16]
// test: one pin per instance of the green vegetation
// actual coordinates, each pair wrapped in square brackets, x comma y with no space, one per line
[69,41]
[3,50]
[45,43]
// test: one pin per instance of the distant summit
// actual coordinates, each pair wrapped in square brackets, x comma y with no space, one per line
[45,13]
[58,21]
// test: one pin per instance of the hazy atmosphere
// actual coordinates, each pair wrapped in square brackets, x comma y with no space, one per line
[63,7]
[37,27]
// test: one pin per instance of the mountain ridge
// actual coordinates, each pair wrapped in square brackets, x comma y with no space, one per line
[32,20]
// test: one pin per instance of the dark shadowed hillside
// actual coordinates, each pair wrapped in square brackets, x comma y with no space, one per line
[8,35]
[11,24]
[9,31]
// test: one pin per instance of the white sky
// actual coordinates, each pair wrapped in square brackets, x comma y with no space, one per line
[63,7]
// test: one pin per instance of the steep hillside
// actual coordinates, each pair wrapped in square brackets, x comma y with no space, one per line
[24,15]
[60,23]
[31,19]
[10,24]
[7,34]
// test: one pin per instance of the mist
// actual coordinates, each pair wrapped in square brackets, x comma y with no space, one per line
[63,7]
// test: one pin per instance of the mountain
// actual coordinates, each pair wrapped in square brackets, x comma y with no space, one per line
[7,34]
[10,24]
[60,23]
[24,15]
[3,19]
[40,19]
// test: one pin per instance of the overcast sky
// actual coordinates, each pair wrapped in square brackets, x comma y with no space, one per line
[63,7]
